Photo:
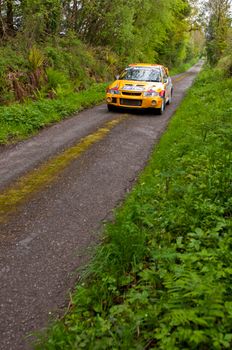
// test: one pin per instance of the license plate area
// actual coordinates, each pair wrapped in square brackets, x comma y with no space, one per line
[128,102]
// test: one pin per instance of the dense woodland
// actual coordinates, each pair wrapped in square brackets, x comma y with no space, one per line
[48,46]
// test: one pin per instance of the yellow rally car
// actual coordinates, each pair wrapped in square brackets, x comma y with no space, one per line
[141,86]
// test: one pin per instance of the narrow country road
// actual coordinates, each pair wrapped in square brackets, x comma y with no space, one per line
[57,189]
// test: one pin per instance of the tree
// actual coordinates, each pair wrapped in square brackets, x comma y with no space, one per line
[6,18]
[217,28]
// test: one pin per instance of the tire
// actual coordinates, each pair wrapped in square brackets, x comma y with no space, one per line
[170,98]
[162,108]
[111,108]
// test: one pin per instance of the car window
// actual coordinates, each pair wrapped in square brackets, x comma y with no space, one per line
[165,76]
[141,74]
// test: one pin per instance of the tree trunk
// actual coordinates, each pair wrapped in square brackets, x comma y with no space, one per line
[2,27]
[9,17]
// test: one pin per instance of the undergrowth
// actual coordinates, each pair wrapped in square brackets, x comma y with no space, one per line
[31,69]
[41,84]
[183,67]
[22,120]
[162,278]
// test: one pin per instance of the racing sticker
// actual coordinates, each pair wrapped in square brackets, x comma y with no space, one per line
[133,88]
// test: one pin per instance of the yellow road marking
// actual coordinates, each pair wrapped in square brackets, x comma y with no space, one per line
[180,78]
[47,172]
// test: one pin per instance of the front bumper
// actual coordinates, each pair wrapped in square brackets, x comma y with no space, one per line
[134,101]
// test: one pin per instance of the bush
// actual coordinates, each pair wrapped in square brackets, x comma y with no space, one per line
[19,121]
[69,64]
[225,65]
[57,82]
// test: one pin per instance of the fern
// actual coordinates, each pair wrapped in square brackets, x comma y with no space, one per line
[36,58]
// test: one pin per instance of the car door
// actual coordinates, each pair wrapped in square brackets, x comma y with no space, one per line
[167,84]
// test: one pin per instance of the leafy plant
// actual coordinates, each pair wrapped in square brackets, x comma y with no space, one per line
[57,82]
[36,58]
[20,121]
[37,75]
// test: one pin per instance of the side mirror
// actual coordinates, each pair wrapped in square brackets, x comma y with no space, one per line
[165,80]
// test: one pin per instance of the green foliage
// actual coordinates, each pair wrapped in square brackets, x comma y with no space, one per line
[39,18]
[162,277]
[184,67]
[20,121]
[217,29]
[225,62]
[148,30]
[11,59]
[35,58]
[57,81]
[68,62]
[225,65]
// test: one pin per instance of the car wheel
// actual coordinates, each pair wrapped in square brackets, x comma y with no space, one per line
[162,108]
[170,98]
[111,108]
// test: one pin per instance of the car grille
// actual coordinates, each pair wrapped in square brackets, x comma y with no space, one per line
[127,102]
[131,93]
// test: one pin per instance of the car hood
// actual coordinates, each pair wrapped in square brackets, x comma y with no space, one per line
[131,85]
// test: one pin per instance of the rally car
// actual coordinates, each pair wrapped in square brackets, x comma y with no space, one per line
[141,86]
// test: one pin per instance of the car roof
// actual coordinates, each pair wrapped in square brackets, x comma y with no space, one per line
[160,66]
[145,65]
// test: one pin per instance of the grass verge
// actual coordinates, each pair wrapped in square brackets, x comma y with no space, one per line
[19,121]
[184,67]
[162,279]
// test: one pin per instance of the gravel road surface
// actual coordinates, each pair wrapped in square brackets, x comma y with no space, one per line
[52,234]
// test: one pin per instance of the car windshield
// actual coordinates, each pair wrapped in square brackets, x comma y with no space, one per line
[141,74]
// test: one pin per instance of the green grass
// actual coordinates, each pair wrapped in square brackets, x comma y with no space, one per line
[19,121]
[183,67]
[162,278]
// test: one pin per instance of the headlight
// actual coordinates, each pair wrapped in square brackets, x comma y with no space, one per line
[113,92]
[150,93]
